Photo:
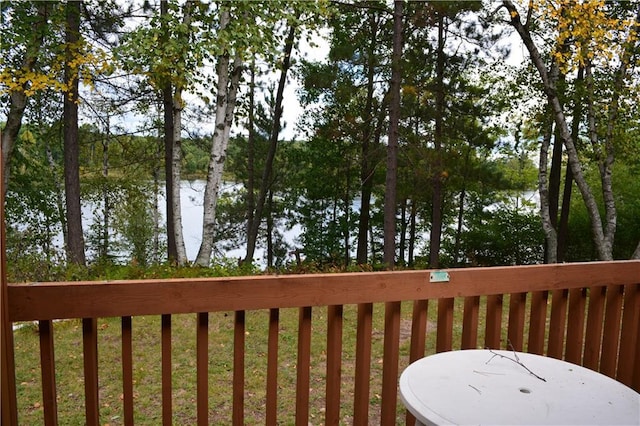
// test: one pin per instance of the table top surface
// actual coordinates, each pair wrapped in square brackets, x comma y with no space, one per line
[507,387]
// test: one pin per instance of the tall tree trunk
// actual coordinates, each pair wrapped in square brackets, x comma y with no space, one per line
[366,162]
[269,221]
[557,79]
[461,200]
[105,192]
[273,144]
[403,231]
[412,232]
[392,147]
[225,106]
[551,240]
[176,169]
[17,105]
[18,99]
[75,243]
[346,201]
[251,151]
[156,193]
[438,139]
[177,106]
[555,177]
[167,105]
[605,160]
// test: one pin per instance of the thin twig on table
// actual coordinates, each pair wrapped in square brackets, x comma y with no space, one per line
[517,361]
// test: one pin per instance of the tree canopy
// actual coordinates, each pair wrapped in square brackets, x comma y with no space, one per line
[485,153]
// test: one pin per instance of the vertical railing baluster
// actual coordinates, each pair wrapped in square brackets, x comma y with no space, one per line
[303,367]
[418,329]
[8,394]
[470,323]
[272,368]
[515,331]
[444,337]
[557,323]
[334,364]
[611,339]
[390,358]
[127,370]
[363,365]
[629,335]
[537,322]
[593,334]
[418,339]
[90,359]
[575,325]
[48,366]
[493,327]
[238,368]
[202,368]
[167,411]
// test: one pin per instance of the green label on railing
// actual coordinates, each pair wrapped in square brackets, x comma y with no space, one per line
[439,277]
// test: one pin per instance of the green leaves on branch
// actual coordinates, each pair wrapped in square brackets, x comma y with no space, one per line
[181,46]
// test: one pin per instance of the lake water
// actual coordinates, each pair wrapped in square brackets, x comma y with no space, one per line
[191,202]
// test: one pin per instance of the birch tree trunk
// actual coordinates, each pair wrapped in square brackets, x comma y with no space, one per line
[225,106]
[176,161]
[251,152]
[176,169]
[551,236]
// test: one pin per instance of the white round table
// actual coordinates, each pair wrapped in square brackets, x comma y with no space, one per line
[486,387]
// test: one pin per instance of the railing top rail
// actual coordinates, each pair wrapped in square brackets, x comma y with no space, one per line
[58,300]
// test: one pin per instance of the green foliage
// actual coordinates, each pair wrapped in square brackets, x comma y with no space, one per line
[33,209]
[195,157]
[502,236]
[626,187]
[33,46]
[134,220]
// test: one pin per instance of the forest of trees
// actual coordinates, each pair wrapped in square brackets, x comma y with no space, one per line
[422,142]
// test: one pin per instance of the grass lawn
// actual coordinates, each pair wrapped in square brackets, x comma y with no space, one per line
[146,369]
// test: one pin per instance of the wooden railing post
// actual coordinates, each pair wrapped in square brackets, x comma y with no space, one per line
[363,365]
[493,326]
[629,342]
[239,328]
[48,371]
[272,367]
[515,332]
[303,366]
[9,405]
[90,360]
[334,364]
[538,322]
[127,369]
[202,368]
[390,363]
[167,408]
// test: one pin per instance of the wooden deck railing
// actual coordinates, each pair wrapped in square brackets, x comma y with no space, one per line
[585,313]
